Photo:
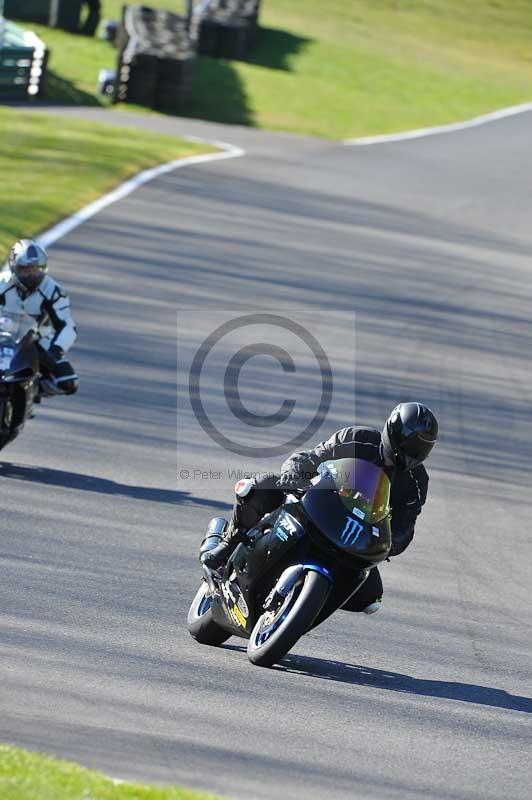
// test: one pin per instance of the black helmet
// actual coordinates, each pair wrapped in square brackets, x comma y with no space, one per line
[409,434]
[29,263]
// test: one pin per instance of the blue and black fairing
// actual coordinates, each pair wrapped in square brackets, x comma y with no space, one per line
[250,571]
[25,363]
[349,504]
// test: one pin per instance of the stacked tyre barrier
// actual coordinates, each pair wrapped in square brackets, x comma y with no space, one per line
[63,14]
[228,28]
[23,61]
[28,10]
[156,59]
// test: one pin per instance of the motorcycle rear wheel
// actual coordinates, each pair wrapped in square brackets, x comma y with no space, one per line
[275,633]
[200,623]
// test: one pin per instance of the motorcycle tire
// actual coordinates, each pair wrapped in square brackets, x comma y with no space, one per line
[200,623]
[273,637]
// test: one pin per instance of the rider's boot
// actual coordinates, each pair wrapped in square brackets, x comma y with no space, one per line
[48,388]
[219,555]
[373,607]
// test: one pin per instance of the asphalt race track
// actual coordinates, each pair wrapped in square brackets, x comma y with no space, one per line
[411,264]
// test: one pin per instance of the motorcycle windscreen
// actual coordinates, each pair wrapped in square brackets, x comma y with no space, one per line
[350,504]
[15,324]
[363,487]
[7,350]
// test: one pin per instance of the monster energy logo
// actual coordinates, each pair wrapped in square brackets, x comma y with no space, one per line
[351,532]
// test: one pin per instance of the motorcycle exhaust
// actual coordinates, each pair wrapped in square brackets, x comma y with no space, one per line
[215,529]
[214,533]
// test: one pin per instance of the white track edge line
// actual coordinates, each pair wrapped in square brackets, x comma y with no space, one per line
[433,131]
[124,189]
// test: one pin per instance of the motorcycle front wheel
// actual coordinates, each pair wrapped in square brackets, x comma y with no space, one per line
[277,631]
[200,623]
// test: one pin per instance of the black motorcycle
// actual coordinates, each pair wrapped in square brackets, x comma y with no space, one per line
[299,564]
[19,370]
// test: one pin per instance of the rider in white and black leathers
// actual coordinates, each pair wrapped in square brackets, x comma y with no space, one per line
[27,288]
[406,440]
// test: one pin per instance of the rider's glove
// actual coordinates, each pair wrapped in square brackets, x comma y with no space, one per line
[56,352]
[292,481]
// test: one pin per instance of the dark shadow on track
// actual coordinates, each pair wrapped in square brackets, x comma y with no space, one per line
[90,483]
[237,648]
[396,682]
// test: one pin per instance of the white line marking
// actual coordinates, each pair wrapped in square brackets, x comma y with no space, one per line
[70,223]
[454,126]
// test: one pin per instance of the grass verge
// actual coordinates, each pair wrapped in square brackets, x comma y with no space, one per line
[344,68]
[30,776]
[52,167]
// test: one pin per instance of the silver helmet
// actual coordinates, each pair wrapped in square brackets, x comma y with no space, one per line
[29,263]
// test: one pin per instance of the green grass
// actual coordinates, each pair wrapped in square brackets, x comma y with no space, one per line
[51,167]
[346,67]
[30,776]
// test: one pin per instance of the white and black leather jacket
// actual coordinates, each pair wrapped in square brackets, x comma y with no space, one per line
[48,305]
[409,488]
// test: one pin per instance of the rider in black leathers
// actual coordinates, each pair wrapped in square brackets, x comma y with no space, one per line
[406,440]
